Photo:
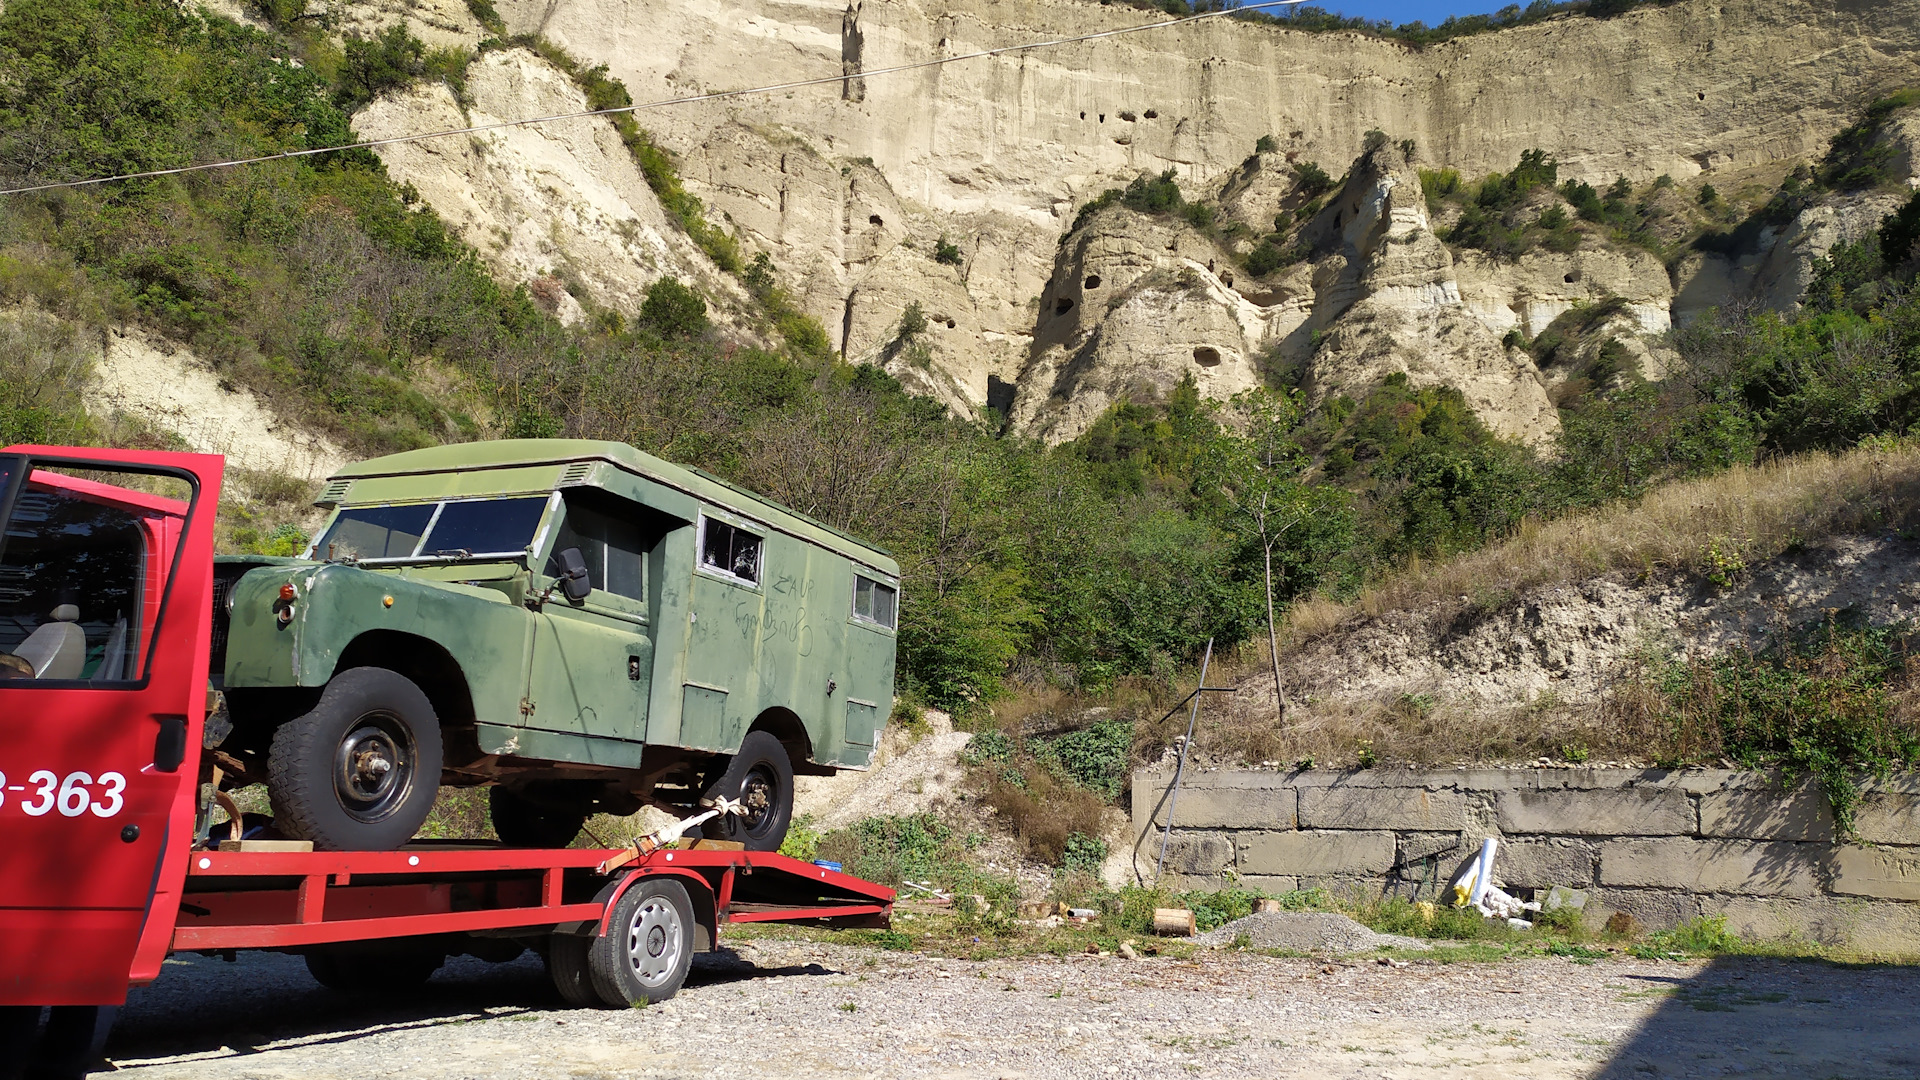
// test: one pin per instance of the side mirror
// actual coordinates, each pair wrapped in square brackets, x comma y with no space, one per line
[573,575]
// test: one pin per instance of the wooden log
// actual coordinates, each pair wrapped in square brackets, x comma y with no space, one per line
[1167,920]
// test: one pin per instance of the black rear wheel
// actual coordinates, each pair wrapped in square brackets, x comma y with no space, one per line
[760,777]
[369,969]
[359,771]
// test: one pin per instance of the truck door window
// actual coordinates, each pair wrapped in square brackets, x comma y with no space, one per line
[83,565]
[614,550]
[727,550]
[875,601]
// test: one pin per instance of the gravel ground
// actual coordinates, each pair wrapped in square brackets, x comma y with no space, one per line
[792,1009]
[1307,932]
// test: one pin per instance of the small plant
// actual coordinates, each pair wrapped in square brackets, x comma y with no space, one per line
[1309,179]
[947,252]
[1265,144]
[1084,853]
[1724,566]
[1575,753]
[1364,756]
[848,1006]
[1707,196]
[803,841]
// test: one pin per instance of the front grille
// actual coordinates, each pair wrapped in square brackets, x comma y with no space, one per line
[224,579]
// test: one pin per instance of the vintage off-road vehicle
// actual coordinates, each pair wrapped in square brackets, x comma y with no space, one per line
[580,625]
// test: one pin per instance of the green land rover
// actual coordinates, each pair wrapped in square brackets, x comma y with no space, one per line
[581,626]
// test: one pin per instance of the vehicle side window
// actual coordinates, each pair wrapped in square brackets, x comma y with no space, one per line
[725,549]
[875,601]
[614,550]
[82,569]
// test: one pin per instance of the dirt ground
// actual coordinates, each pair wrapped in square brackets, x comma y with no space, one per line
[803,1009]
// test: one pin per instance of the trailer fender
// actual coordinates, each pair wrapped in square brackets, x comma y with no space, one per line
[706,913]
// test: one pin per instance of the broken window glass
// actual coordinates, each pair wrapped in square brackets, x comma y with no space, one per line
[727,550]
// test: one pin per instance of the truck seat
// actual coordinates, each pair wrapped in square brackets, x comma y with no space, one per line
[56,649]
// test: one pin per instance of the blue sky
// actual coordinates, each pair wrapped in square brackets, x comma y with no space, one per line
[1404,11]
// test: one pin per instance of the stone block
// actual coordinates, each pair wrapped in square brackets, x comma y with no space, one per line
[1315,854]
[1539,864]
[1768,813]
[1208,853]
[1888,816]
[1382,808]
[1217,801]
[1772,918]
[1884,873]
[1653,909]
[1753,867]
[1416,847]
[1272,885]
[1632,811]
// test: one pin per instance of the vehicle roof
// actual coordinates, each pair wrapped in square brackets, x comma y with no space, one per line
[511,453]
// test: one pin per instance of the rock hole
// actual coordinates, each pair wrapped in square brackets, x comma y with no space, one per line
[1128,117]
[1336,219]
[874,219]
[1151,114]
[1093,281]
[1571,278]
[1703,95]
[949,324]
[1206,356]
[1103,118]
[1062,306]
[1083,116]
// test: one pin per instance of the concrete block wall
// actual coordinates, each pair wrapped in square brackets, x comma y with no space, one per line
[1663,846]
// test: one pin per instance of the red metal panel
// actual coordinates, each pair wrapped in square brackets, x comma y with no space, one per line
[807,913]
[412,861]
[287,935]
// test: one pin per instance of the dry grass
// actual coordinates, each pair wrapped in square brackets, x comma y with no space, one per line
[1741,516]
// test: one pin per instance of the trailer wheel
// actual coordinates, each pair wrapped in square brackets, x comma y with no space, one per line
[373,969]
[648,945]
[520,822]
[567,967]
[761,778]
[359,771]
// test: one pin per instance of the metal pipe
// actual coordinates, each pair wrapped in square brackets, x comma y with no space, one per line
[1173,800]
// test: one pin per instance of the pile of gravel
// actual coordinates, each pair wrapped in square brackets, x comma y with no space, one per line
[1306,932]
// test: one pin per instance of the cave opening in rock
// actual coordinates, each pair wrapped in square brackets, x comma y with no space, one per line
[1093,281]
[1062,306]
[949,324]
[1151,114]
[1571,278]
[1206,356]
[874,219]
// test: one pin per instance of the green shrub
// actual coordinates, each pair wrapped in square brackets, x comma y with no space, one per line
[1309,179]
[803,841]
[1095,758]
[947,252]
[890,850]
[1084,854]
[673,309]
[1265,144]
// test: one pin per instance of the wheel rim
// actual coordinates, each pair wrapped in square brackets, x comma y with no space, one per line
[373,768]
[654,941]
[758,797]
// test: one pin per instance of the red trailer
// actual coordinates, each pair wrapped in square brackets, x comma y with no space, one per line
[106,593]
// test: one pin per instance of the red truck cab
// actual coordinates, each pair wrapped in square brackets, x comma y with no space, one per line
[105,578]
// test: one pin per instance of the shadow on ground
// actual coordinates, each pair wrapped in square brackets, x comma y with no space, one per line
[1753,1017]
[204,1005]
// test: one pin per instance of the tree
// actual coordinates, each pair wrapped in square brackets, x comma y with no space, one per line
[1259,478]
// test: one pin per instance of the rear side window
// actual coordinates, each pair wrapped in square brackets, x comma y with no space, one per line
[875,601]
[727,550]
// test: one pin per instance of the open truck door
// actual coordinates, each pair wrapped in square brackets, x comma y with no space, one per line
[106,561]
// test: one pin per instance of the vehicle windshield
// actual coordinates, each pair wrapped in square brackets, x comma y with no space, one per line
[456,529]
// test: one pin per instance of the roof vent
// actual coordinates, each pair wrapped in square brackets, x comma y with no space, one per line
[335,491]
[576,473]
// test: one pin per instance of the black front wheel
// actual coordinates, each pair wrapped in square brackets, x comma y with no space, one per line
[359,772]
[760,778]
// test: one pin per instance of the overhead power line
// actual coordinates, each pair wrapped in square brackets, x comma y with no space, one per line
[662,103]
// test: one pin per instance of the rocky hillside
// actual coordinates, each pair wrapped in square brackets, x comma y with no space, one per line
[857,189]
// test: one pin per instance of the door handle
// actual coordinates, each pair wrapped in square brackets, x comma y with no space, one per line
[170,743]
